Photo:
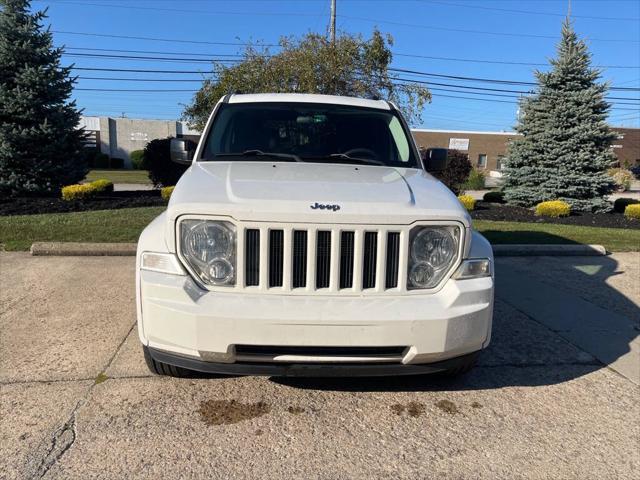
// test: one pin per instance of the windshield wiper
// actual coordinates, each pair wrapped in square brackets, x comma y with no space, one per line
[260,153]
[344,156]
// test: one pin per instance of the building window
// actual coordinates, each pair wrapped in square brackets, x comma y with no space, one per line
[500,162]
[482,160]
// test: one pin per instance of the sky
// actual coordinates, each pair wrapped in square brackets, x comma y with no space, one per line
[482,39]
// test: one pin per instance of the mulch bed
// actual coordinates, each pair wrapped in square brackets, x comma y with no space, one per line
[152,198]
[115,200]
[504,213]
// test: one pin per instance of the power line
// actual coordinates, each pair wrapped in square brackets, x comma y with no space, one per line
[400,70]
[478,32]
[171,40]
[530,12]
[408,55]
[349,17]
[432,86]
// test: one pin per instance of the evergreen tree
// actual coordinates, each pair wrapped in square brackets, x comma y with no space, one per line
[40,145]
[564,150]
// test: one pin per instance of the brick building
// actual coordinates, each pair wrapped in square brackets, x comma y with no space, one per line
[487,150]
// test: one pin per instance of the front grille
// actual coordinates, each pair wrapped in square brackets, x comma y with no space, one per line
[338,259]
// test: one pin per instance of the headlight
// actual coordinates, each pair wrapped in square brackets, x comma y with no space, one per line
[209,248]
[433,251]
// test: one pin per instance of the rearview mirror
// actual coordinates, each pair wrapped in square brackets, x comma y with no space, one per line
[182,150]
[435,159]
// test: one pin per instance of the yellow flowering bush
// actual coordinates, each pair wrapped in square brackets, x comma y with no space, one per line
[553,208]
[78,192]
[166,192]
[467,202]
[632,211]
[102,185]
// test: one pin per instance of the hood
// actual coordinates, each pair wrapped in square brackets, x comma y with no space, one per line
[297,192]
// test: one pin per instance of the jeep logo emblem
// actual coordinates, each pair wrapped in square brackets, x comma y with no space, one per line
[327,206]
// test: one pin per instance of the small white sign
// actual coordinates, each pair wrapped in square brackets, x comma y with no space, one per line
[139,137]
[459,144]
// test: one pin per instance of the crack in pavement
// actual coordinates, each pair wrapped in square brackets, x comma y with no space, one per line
[65,436]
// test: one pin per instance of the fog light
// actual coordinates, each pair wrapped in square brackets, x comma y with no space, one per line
[473,268]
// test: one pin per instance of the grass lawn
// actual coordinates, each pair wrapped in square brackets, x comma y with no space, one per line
[20,231]
[120,176]
[613,239]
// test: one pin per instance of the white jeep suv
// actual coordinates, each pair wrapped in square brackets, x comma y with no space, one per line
[307,238]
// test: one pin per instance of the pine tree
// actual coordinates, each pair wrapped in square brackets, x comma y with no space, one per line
[40,144]
[564,150]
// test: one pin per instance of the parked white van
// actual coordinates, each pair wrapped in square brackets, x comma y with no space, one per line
[308,238]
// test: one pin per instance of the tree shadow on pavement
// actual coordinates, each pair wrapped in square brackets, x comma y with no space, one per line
[556,319]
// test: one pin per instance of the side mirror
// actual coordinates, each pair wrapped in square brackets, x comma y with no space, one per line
[182,150]
[435,159]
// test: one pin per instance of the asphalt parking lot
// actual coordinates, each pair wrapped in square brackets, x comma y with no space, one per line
[555,396]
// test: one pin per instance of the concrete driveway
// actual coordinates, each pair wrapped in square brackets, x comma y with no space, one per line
[555,396]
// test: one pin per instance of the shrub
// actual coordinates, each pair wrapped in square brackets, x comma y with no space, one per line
[102,186]
[621,177]
[553,208]
[137,159]
[621,204]
[157,159]
[494,197]
[116,163]
[632,211]
[635,171]
[78,192]
[475,181]
[166,192]
[467,202]
[101,160]
[457,171]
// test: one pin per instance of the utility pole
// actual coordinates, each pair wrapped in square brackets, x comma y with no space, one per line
[332,25]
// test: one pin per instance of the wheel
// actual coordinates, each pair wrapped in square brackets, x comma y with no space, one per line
[465,366]
[160,368]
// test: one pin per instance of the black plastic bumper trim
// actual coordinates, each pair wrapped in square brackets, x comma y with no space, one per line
[308,369]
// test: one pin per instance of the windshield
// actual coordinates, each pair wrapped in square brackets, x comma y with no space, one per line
[308,133]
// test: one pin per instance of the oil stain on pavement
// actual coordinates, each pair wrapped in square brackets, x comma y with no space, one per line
[413,409]
[447,406]
[226,412]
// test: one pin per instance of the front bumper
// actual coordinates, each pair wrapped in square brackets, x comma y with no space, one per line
[182,323]
[311,369]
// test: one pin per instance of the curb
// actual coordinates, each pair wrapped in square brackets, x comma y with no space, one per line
[83,249]
[548,250]
[129,249]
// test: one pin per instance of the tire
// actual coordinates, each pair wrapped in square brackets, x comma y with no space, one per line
[160,368]
[463,367]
